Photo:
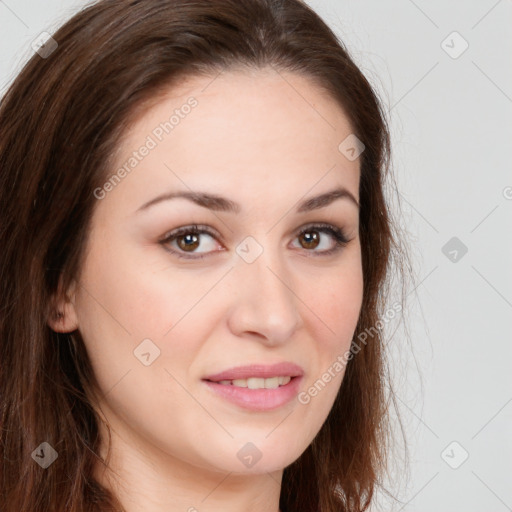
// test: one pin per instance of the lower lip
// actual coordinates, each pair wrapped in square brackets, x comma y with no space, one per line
[257,399]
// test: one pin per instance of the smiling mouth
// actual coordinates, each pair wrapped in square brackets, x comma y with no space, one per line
[257,393]
[257,382]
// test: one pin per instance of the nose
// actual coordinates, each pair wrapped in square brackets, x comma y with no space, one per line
[265,304]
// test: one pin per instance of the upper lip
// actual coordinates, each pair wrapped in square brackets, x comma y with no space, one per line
[258,370]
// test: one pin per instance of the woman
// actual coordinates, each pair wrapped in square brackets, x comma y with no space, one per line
[196,245]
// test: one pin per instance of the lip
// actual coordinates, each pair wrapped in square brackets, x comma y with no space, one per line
[257,399]
[258,370]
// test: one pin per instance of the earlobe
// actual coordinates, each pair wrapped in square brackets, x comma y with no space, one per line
[62,317]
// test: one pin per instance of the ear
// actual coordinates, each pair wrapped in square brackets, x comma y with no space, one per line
[62,316]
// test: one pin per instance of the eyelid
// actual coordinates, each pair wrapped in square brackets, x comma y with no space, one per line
[337,233]
[192,228]
[341,239]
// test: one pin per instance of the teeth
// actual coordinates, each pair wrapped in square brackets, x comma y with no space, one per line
[272,383]
[255,383]
[258,382]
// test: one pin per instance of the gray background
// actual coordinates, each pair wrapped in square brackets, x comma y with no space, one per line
[451,131]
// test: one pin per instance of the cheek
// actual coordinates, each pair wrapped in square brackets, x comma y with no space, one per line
[336,300]
[123,301]
[336,303]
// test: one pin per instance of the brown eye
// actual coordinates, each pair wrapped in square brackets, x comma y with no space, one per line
[188,242]
[185,241]
[311,239]
[314,236]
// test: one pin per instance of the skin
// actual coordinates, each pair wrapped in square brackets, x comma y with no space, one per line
[265,140]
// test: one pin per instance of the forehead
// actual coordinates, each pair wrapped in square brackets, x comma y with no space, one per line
[247,129]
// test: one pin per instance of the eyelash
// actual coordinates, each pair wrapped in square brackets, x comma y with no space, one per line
[338,234]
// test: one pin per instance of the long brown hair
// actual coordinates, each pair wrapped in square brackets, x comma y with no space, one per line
[60,121]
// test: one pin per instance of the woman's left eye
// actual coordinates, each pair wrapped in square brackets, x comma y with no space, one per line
[188,240]
[313,240]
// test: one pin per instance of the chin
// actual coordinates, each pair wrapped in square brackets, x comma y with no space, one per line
[255,458]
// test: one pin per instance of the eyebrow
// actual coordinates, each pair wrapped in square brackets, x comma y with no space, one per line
[222,204]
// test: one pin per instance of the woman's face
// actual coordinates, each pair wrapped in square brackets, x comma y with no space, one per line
[255,285]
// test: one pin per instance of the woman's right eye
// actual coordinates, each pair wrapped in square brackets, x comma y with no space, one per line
[187,240]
